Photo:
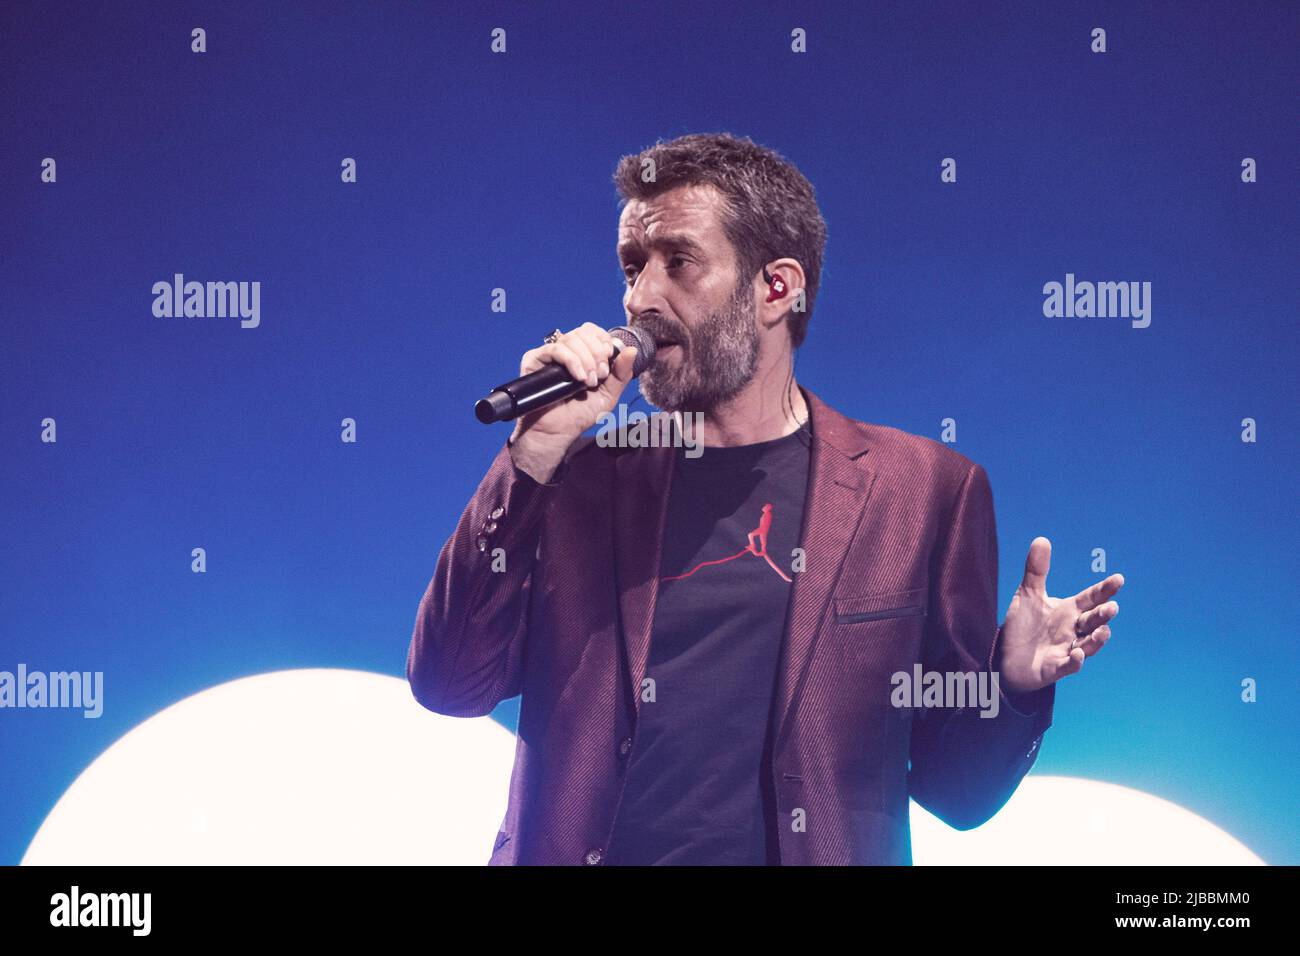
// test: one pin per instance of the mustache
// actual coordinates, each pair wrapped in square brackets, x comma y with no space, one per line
[662,330]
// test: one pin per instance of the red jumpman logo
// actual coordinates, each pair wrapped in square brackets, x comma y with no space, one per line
[759,550]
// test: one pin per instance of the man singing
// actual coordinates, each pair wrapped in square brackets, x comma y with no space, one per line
[708,647]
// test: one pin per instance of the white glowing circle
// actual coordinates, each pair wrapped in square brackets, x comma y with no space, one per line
[1079,822]
[313,766]
[344,767]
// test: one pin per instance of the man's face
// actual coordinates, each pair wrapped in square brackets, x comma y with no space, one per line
[683,289]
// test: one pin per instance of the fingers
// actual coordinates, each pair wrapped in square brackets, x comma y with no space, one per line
[623,365]
[554,353]
[1071,665]
[1092,624]
[594,346]
[1090,597]
[1095,641]
[584,352]
[1089,621]
[1037,563]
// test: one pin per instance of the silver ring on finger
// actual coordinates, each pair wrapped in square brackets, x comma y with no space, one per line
[553,337]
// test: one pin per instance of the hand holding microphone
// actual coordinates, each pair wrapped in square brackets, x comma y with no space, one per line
[564,387]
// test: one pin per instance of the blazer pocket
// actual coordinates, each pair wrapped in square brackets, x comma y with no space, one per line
[880,607]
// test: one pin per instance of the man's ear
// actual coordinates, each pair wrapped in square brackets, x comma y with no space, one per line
[784,291]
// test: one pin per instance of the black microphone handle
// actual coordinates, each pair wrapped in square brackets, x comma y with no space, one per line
[550,383]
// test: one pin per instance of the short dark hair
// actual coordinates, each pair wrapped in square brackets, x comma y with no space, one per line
[770,208]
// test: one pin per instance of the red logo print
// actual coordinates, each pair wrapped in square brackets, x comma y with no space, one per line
[759,550]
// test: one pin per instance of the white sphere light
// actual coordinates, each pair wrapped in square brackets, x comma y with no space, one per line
[1080,822]
[326,766]
[302,766]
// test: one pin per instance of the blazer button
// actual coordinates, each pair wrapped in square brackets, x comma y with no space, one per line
[497,512]
[490,527]
[482,542]
[594,857]
[625,746]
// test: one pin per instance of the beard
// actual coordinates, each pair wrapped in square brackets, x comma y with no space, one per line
[718,358]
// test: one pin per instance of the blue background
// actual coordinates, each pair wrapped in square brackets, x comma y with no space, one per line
[479,171]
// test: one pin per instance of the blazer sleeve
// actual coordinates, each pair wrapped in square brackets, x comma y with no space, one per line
[467,649]
[964,765]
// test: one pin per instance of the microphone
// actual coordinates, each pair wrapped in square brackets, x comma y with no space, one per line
[552,383]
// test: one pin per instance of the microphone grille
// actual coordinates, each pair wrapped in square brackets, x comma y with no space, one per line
[645,346]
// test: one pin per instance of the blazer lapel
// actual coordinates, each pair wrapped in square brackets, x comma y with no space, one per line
[839,484]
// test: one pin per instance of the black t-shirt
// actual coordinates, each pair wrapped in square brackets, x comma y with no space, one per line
[699,787]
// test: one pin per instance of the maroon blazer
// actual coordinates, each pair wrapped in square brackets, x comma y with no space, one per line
[901,568]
